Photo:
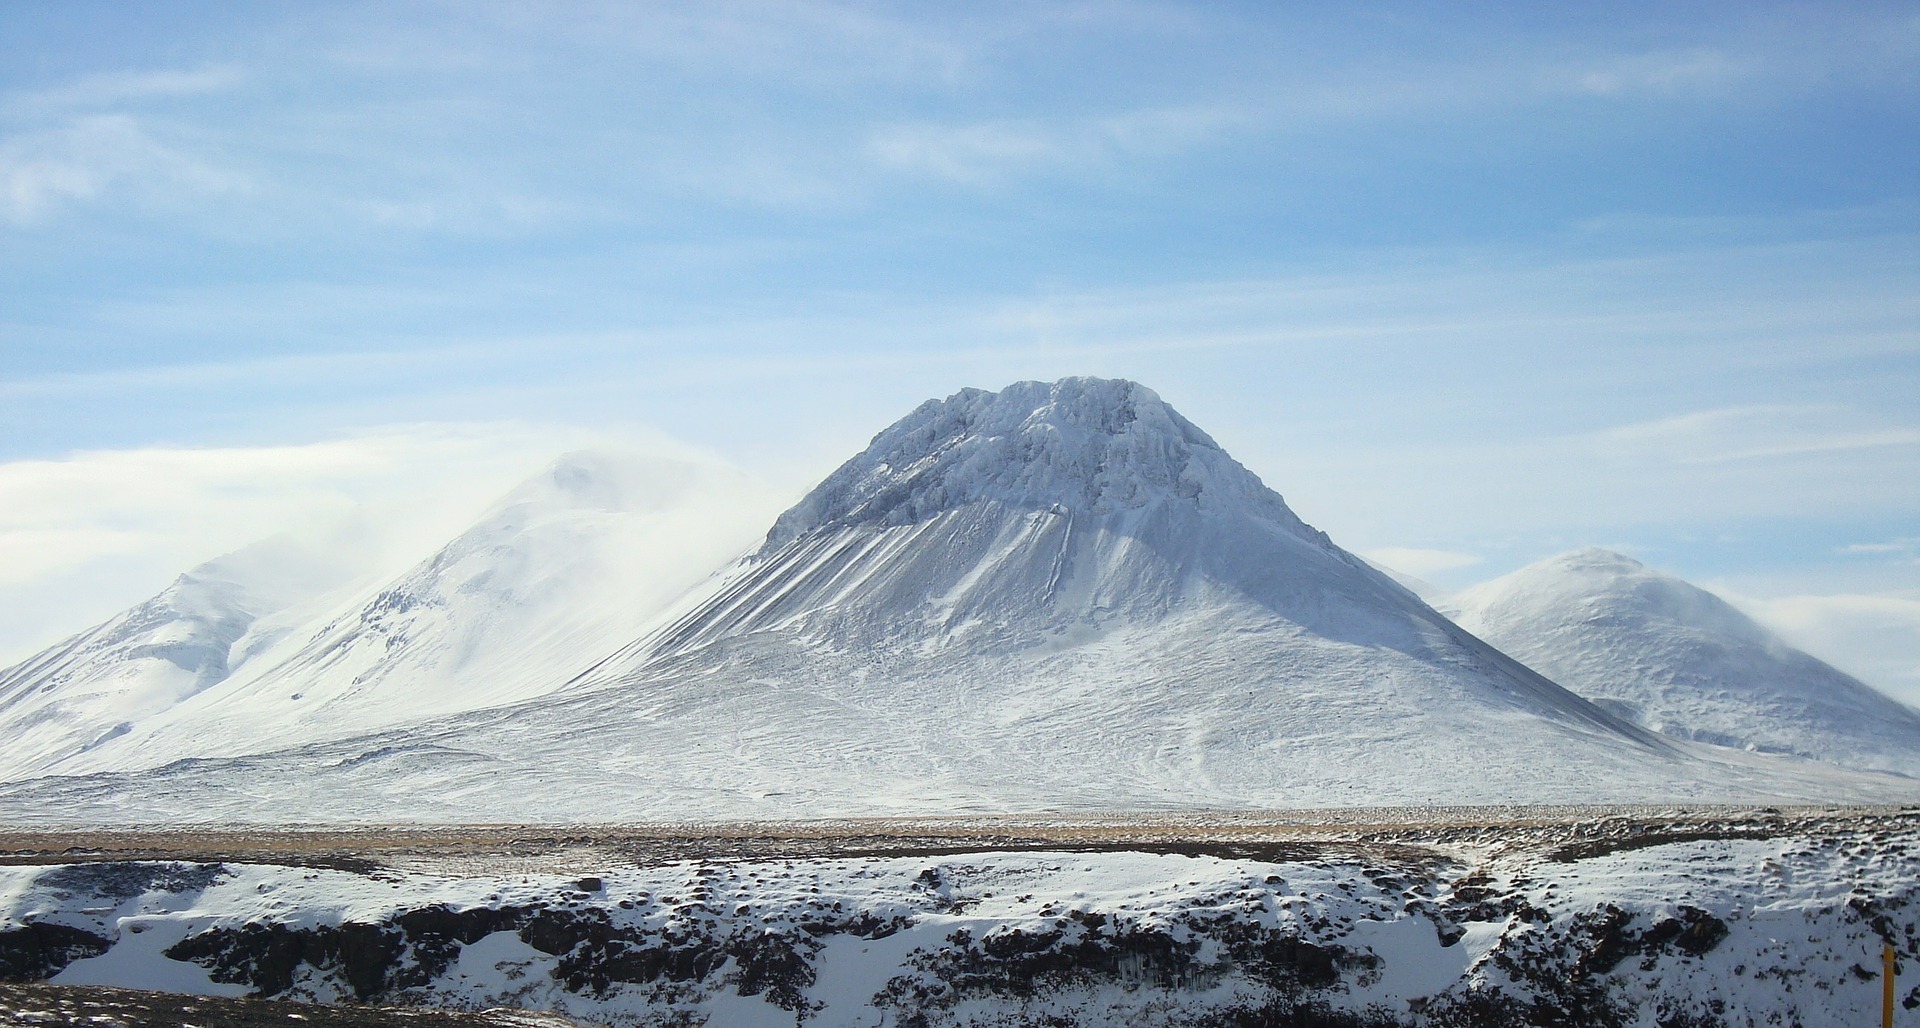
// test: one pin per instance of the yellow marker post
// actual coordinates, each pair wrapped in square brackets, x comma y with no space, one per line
[1886,986]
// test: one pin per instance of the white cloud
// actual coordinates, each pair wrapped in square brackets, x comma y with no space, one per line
[45,171]
[1905,550]
[1667,71]
[1874,636]
[480,211]
[1420,562]
[85,536]
[1751,433]
[121,88]
[990,152]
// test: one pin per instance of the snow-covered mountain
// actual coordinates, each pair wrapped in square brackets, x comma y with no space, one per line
[1072,584]
[96,686]
[1057,596]
[1679,660]
[563,570]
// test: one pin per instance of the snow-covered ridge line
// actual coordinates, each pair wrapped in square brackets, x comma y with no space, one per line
[563,569]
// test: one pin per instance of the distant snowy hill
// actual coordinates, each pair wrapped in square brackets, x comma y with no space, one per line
[560,572]
[1051,597]
[1681,661]
[98,685]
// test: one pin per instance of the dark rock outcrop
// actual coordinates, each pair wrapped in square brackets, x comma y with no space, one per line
[36,951]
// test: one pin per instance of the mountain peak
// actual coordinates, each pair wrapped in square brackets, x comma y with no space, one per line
[1610,585]
[1078,445]
[611,479]
[1597,559]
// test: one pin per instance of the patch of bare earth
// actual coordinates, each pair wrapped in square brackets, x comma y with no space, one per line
[1402,836]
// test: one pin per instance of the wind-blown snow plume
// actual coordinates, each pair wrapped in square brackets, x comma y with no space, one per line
[560,572]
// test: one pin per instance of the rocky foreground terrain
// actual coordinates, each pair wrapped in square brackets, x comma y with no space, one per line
[58,1006]
[1508,916]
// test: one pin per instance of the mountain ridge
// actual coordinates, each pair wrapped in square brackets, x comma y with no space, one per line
[1060,596]
[558,570]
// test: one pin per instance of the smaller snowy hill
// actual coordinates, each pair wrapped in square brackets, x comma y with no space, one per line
[1679,660]
[97,685]
[560,572]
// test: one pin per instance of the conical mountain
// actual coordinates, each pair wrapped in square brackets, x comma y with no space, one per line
[1052,597]
[564,568]
[1679,660]
[1069,589]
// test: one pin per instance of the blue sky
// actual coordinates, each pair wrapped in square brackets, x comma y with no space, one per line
[1468,285]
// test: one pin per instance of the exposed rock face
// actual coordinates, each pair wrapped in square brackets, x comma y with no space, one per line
[375,961]
[57,1006]
[401,956]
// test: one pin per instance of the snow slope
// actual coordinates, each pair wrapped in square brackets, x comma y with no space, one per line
[563,570]
[101,684]
[1052,597]
[1681,661]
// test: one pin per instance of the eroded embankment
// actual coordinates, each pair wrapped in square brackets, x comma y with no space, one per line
[1721,918]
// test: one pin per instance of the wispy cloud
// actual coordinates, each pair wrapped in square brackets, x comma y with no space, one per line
[988,153]
[1661,72]
[90,158]
[461,213]
[1748,433]
[83,536]
[119,89]
[1905,549]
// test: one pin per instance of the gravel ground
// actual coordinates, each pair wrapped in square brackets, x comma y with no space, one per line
[1405,832]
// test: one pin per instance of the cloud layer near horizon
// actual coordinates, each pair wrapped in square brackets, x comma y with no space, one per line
[88,535]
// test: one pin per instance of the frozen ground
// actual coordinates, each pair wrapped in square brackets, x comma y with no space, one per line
[1489,916]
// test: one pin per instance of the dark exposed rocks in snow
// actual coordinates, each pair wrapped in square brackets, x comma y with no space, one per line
[38,950]
[1693,928]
